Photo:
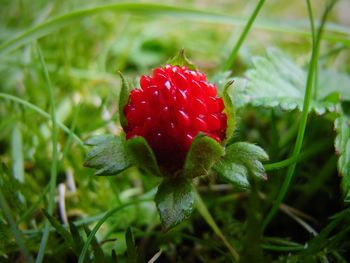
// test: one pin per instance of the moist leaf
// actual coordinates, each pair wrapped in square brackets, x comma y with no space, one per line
[277,81]
[175,201]
[230,111]
[143,156]
[203,153]
[123,99]
[108,155]
[342,147]
[241,162]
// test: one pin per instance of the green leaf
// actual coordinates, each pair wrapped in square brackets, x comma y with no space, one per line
[342,147]
[203,153]
[130,245]
[98,253]
[241,162]
[175,201]
[123,99]
[78,241]
[60,229]
[181,60]
[277,81]
[143,155]
[331,80]
[230,111]
[108,155]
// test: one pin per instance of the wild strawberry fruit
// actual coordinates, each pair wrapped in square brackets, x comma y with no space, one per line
[171,108]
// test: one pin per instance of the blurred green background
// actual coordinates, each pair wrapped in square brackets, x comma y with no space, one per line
[82,55]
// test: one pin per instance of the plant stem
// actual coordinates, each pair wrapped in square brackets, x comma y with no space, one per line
[313,149]
[282,248]
[313,37]
[242,37]
[304,116]
[202,209]
[53,176]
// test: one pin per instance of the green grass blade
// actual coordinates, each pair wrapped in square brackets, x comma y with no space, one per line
[31,210]
[282,248]
[70,135]
[96,247]
[60,229]
[243,35]
[202,209]
[16,233]
[43,114]
[54,163]
[304,117]
[58,22]
[99,224]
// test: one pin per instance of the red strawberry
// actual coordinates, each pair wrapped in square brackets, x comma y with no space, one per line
[171,108]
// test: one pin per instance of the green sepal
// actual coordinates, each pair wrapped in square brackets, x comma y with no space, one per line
[175,201]
[241,163]
[203,153]
[181,60]
[230,111]
[220,79]
[143,155]
[123,99]
[108,155]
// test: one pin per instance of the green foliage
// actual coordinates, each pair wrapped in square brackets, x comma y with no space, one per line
[123,99]
[175,201]
[328,242]
[77,238]
[83,47]
[230,111]
[143,155]
[130,245]
[59,228]
[181,60]
[96,247]
[277,81]
[342,147]
[241,163]
[108,155]
[203,153]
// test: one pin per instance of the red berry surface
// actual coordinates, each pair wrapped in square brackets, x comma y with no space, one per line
[171,108]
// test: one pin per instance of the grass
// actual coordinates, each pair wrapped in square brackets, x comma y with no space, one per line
[59,64]
[53,174]
[310,82]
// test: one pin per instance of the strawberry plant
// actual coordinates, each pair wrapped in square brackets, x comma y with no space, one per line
[112,152]
[175,127]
